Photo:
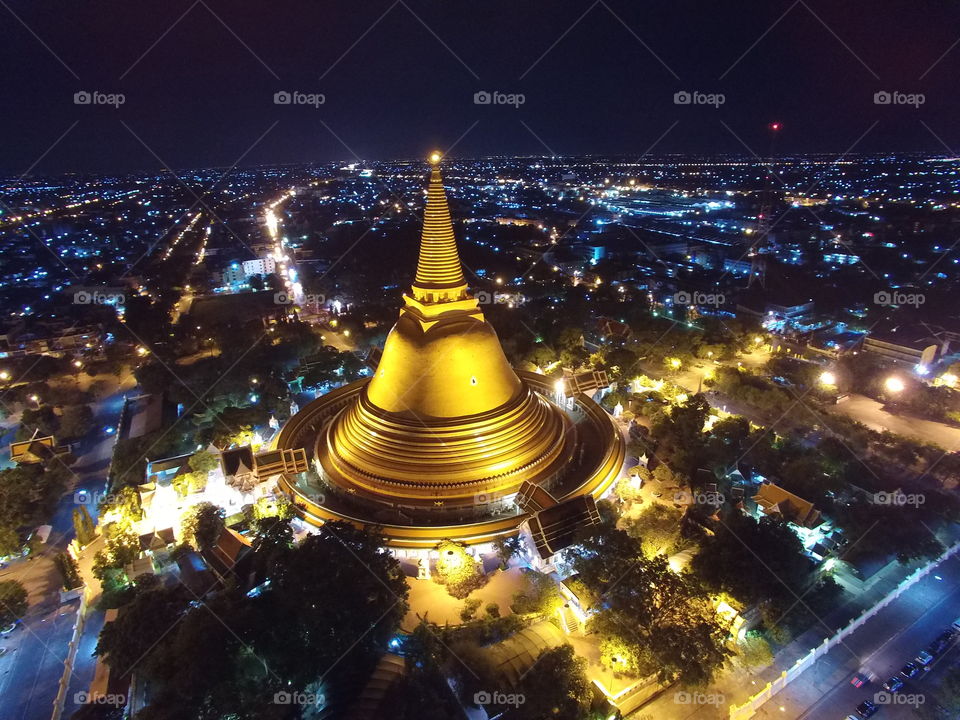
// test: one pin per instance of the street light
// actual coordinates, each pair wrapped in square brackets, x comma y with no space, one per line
[828,378]
[4,375]
[894,384]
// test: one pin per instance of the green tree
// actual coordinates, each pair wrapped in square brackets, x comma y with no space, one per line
[41,421]
[13,601]
[506,549]
[754,561]
[657,526]
[10,542]
[76,421]
[457,569]
[469,609]
[121,547]
[203,462]
[315,575]
[128,641]
[423,691]
[69,572]
[83,526]
[665,620]
[754,651]
[948,698]
[203,523]
[555,688]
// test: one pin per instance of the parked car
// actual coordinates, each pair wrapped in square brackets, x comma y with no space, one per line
[923,659]
[866,709]
[956,625]
[910,670]
[893,684]
[859,680]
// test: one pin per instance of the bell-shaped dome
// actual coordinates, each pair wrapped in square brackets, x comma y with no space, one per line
[453,369]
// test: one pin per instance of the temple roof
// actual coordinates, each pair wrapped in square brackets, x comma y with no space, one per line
[438,266]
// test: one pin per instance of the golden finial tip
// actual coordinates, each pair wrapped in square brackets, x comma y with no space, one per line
[435,157]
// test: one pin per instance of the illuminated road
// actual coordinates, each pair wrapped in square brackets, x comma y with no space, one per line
[31,668]
[871,413]
[881,647]
[30,671]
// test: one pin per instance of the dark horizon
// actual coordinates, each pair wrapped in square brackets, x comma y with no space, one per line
[399,79]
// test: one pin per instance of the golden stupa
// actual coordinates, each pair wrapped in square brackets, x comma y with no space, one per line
[445,432]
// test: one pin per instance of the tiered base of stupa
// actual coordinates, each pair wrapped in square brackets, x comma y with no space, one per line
[423,481]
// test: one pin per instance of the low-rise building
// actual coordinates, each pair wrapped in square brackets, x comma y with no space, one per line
[909,344]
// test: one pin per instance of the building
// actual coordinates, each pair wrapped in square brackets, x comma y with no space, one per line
[551,530]
[902,343]
[36,450]
[260,266]
[774,501]
[437,443]
[243,469]
[234,274]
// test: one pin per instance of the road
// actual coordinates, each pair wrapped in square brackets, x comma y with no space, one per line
[858,407]
[881,647]
[871,413]
[32,668]
[30,671]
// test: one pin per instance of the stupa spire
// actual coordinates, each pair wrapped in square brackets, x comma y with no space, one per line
[439,275]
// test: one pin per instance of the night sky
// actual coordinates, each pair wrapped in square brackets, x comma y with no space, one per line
[399,79]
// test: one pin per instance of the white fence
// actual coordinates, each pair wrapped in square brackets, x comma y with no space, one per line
[71,656]
[748,708]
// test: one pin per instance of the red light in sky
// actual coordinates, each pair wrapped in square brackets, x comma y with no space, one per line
[775,126]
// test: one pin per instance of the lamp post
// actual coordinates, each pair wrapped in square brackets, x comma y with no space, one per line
[894,385]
